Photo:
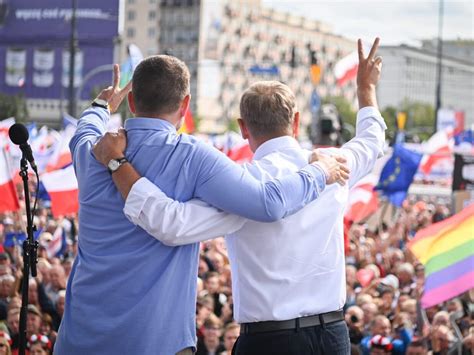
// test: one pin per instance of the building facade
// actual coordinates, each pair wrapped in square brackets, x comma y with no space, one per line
[228,45]
[242,42]
[410,73]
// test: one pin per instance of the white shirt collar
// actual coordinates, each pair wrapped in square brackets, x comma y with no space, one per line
[274,145]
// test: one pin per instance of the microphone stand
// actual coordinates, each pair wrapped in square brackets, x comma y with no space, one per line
[30,247]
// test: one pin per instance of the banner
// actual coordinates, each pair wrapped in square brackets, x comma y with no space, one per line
[34,45]
[43,65]
[15,67]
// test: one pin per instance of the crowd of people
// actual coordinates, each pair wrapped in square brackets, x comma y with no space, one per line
[384,285]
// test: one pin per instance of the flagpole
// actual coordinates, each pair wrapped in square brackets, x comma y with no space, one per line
[440,67]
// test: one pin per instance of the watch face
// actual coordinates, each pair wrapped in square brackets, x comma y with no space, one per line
[101,102]
[113,164]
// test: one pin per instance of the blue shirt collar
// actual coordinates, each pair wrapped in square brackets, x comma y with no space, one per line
[274,145]
[156,124]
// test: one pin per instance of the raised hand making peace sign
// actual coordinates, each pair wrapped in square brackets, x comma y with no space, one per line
[113,94]
[368,74]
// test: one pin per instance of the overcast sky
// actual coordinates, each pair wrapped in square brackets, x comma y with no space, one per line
[395,21]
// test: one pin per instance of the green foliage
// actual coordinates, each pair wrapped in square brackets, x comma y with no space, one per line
[232,125]
[13,106]
[420,119]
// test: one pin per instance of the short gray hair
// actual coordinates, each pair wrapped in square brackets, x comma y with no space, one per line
[268,107]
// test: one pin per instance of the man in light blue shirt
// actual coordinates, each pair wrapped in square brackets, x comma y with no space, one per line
[128,293]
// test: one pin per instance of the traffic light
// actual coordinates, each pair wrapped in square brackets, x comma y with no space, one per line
[315,68]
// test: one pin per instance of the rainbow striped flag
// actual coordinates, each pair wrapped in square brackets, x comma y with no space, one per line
[446,249]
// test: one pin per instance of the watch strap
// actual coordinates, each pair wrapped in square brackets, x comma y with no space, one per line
[120,162]
[95,103]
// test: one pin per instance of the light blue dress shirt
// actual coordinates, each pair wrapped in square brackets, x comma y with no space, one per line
[128,293]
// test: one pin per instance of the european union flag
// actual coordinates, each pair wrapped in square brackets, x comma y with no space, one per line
[397,174]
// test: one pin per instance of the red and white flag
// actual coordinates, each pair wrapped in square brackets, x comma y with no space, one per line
[55,245]
[61,156]
[438,149]
[363,200]
[8,196]
[346,69]
[62,188]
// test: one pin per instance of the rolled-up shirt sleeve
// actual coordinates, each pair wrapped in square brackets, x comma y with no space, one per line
[367,146]
[176,223]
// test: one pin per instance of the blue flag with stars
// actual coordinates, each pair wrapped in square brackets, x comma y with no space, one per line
[397,174]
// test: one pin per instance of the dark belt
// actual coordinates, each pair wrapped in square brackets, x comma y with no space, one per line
[302,322]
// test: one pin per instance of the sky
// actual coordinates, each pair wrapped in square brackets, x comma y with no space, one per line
[395,21]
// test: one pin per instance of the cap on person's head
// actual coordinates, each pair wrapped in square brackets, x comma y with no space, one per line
[381,342]
[391,280]
[34,310]
[8,221]
[4,256]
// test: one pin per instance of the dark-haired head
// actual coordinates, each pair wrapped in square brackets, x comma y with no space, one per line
[160,88]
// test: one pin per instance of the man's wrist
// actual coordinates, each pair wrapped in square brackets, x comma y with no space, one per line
[366,96]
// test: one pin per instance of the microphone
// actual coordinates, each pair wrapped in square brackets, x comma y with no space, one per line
[19,135]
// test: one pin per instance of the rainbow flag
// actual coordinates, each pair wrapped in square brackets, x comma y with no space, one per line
[446,249]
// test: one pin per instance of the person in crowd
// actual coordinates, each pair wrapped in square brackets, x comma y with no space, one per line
[231,333]
[185,168]
[5,343]
[39,344]
[355,320]
[57,282]
[211,343]
[13,323]
[274,261]
[33,321]
[211,284]
[381,336]
[417,347]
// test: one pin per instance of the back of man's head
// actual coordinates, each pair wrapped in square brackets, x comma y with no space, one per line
[268,109]
[160,83]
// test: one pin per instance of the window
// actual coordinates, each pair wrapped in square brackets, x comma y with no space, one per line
[152,15]
[130,32]
[151,32]
[131,15]
[131,1]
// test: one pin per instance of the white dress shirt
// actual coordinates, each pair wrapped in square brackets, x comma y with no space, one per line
[281,270]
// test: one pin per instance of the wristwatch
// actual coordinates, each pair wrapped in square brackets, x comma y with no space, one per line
[100,103]
[115,164]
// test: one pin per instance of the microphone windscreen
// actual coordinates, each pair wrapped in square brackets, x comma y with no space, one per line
[18,133]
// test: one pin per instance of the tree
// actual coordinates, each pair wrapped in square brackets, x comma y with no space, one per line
[419,119]
[13,106]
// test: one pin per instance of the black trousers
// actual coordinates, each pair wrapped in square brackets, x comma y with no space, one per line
[330,339]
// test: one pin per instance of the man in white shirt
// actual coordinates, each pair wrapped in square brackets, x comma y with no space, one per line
[288,276]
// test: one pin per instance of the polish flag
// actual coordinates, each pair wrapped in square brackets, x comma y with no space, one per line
[9,198]
[346,69]
[241,153]
[61,156]
[62,188]
[363,200]
[438,149]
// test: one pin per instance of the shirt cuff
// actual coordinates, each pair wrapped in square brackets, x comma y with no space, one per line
[371,112]
[137,197]
[316,173]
